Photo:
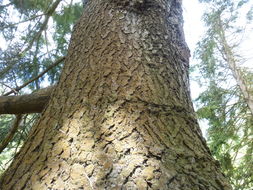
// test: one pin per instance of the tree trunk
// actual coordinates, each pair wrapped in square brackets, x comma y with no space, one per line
[230,59]
[121,115]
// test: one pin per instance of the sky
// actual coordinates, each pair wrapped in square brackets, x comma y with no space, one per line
[193,26]
[194,30]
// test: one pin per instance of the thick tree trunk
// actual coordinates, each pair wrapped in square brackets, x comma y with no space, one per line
[121,115]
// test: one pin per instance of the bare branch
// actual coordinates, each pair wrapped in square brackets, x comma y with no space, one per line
[31,103]
[13,89]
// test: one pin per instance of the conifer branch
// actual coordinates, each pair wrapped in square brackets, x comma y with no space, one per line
[57,62]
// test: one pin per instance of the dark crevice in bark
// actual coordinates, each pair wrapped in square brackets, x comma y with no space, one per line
[151,155]
[130,175]
[170,181]
[141,7]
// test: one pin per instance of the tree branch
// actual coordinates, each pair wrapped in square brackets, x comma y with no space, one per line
[31,103]
[57,62]
[20,22]
[43,26]
[11,133]
[37,35]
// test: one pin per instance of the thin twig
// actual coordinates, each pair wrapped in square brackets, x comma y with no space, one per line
[48,14]
[13,89]
[11,134]
[22,21]
[35,78]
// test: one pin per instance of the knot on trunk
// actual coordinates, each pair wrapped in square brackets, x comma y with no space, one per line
[133,5]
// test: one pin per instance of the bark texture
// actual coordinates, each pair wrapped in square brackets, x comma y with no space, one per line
[121,115]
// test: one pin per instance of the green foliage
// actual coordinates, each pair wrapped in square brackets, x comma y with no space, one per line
[20,136]
[36,33]
[5,125]
[230,133]
[30,5]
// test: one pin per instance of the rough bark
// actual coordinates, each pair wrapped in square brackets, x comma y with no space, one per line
[121,115]
[31,103]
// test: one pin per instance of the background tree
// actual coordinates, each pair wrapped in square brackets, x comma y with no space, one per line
[227,101]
